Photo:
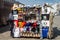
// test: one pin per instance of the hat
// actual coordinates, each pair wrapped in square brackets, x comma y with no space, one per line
[46,4]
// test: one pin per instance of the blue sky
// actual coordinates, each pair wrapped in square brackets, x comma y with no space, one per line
[32,2]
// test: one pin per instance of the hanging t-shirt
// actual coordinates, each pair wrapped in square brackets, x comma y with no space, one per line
[46,10]
[20,24]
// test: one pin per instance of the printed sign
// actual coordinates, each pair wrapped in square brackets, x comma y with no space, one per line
[45,17]
[15,17]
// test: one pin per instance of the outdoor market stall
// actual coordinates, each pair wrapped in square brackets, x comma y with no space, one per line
[33,22]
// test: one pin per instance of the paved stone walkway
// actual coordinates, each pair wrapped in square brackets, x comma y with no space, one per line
[5,32]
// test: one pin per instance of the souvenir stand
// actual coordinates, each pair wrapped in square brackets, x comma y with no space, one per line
[32,22]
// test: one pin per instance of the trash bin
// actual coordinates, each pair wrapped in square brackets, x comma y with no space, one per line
[44,32]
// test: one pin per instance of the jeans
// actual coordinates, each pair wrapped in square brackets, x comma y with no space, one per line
[11,24]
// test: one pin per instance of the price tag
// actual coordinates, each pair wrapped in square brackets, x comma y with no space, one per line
[45,23]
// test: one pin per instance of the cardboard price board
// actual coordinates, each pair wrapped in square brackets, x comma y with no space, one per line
[45,23]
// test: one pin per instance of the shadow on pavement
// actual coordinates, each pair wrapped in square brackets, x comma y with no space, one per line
[56,32]
[4,29]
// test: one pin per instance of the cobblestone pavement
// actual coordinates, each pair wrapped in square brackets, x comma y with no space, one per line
[5,33]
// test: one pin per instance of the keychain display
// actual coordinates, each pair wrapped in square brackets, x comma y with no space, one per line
[29,28]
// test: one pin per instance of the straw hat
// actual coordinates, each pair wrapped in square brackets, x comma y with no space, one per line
[48,5]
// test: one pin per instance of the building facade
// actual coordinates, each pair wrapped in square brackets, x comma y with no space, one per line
[5,8]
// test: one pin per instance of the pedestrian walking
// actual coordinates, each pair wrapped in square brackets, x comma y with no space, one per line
[11,24]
